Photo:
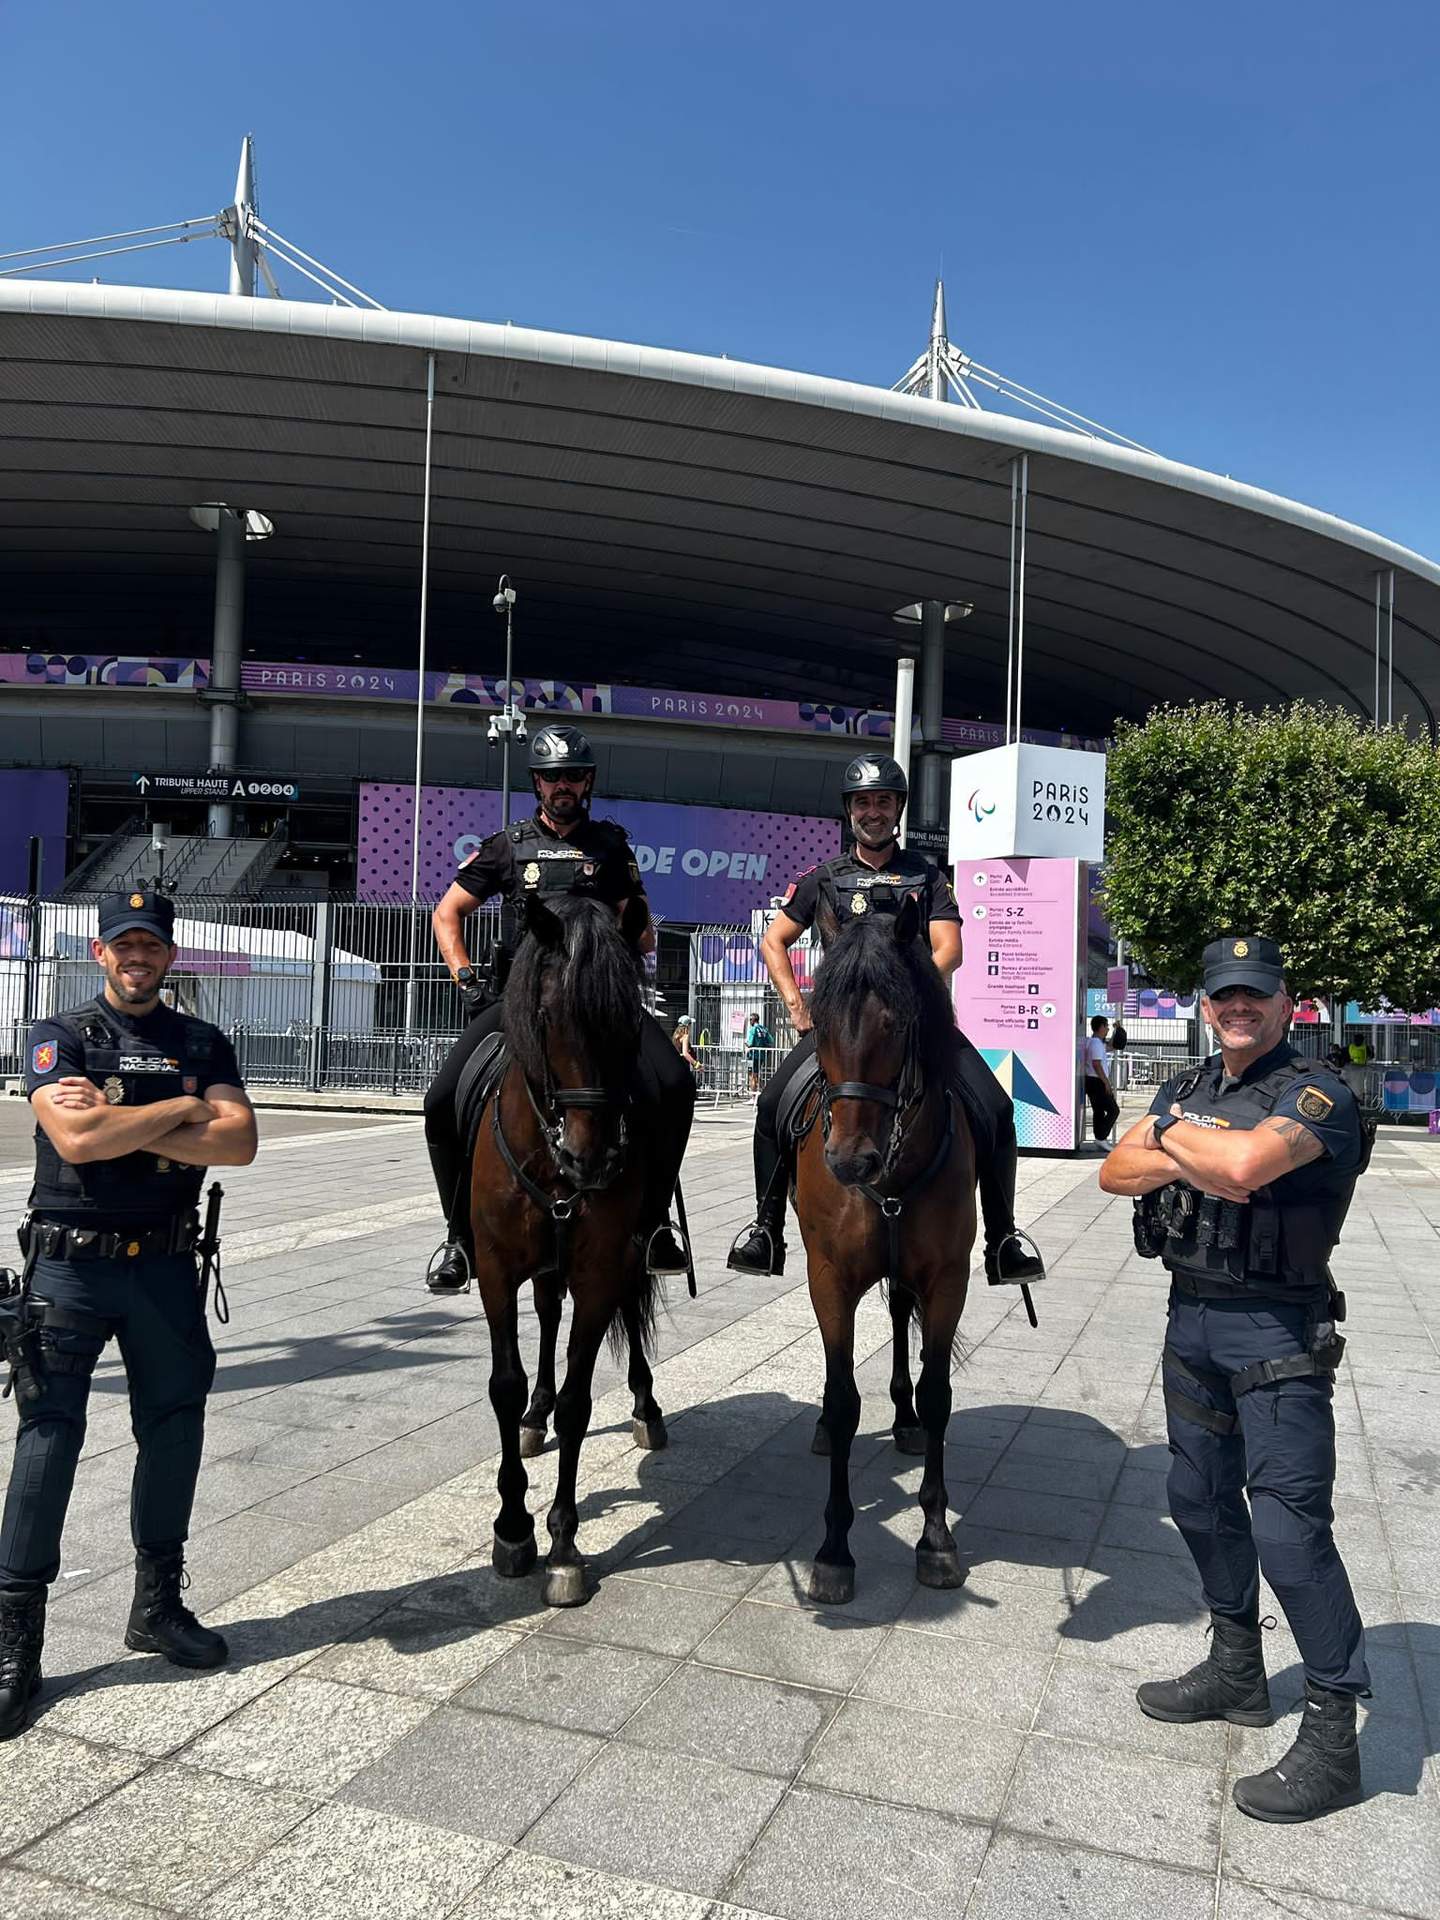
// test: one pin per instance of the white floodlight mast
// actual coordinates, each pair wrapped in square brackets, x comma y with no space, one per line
[242,216]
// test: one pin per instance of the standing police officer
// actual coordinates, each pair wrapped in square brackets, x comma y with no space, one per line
[1242,1175]
[877,874]
[133,1102]
[560,849]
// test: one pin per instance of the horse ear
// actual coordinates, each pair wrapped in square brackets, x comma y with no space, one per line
[545,925]
[826,925]
[907,921]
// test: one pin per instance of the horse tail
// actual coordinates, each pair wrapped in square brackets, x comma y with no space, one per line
[644,1303]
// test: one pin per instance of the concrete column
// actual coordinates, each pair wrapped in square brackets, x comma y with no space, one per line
[932,709]
[225,657]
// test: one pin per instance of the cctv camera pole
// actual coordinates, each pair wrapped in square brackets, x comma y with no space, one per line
[420,702]
[507,722]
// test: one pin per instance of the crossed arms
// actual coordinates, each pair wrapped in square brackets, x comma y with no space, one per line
[216,1131]
[1228,1162]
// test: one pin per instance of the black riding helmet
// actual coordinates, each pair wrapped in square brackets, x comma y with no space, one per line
[873,773]
[559,749]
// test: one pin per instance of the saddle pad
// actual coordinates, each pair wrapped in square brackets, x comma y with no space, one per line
[479,1078]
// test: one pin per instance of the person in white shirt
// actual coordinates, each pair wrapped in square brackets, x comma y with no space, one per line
[1104,1107]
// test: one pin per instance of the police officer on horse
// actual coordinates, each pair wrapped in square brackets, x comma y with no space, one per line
[560,849]
[876,874]
[1242,1174]
[132,1102]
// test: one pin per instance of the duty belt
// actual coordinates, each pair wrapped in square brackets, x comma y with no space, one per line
[55,1241]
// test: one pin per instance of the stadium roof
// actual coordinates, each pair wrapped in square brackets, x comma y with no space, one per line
[671,519]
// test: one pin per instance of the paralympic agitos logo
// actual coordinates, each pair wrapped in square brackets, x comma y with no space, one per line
[979,806]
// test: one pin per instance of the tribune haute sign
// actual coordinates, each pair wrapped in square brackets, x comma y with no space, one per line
[1027,802]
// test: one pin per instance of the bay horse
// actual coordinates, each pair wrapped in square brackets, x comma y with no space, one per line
[557,1194]
[885,1186]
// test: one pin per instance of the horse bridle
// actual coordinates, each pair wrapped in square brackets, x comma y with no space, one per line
[903,1098]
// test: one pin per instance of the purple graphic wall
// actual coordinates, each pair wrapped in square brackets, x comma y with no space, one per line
[700,864]
[33,801]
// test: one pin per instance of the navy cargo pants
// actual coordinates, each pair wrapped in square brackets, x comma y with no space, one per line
[1279,1450]
[154,1308]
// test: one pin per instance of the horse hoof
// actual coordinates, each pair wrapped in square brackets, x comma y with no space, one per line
[831,1586]
[909,1439]
[650,1435]
[532,1441]
[939,1567]
[512,1558]
[565,1586]
[821,1441]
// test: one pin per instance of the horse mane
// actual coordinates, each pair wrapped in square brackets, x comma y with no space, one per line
[596,994]
[866,959]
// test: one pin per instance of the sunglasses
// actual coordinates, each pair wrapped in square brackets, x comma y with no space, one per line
[1227,994]
[571,777]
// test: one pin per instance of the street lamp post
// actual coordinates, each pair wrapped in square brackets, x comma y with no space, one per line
[510,721]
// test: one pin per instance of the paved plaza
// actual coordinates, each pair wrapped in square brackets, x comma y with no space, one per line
[399,1733]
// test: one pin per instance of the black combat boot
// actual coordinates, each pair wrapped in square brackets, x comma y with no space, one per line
[1229,1683]
[1319,1773]
[449,1269]
[761,1247]
[160,1622]
[22,1635]
[1013,1261]
[664,1256]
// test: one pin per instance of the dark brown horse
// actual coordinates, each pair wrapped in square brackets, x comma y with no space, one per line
[557,1195]
[885,1187]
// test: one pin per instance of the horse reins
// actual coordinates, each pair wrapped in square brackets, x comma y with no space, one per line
[900,1101]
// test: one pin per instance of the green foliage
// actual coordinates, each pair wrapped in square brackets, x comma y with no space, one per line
[1302,823]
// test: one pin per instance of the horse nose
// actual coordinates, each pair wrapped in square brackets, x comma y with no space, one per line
[854,1166]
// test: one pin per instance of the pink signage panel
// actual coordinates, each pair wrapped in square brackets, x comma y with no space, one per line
[1019,994]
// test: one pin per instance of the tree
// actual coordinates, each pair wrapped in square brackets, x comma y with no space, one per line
[1302,823]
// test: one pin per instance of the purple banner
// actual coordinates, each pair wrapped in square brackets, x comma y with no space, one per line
[33,803]
[700,864]
[486,691]
[102,670]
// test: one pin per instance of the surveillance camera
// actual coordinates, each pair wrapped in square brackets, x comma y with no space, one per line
[492,734]
[519,728]
[501,602]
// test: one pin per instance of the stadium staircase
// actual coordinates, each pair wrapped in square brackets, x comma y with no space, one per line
[223,868]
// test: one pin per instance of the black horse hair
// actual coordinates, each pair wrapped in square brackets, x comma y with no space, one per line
[865,959]
[596,992]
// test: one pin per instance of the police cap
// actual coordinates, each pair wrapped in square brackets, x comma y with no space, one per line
[138,907]
[1243,960]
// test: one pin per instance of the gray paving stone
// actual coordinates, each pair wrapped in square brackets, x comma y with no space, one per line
[148,1707]
[406,1651]
[1131,1803]
[471,1772]
[1087,1700]
[683,1826]
[824,1855]
[949,1766]
[28,1896]
[1241,1902]
[1023,1877]
[967,1679]
[525,1886]
[756,1724]
[579,1684]
[785,1643]
[141,1842]
[349,1863]
[637,1613]
[48,1777]
[308,1734]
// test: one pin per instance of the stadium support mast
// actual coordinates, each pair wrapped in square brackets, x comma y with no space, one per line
[241,219]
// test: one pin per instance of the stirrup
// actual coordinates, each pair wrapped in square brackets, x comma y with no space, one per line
[445,1247]
[682,1241]
[998,1279]
[774,1248]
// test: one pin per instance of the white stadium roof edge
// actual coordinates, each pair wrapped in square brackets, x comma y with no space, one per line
[745,527]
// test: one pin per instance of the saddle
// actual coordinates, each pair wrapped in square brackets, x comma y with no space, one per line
[479,1079]
[799,1110]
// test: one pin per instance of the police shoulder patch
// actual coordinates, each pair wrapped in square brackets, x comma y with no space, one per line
[1314,1105]
[42,1056]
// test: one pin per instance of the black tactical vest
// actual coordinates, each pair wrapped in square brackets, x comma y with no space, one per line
[1280,1242]
[133,1072]
[850,889]
[548,865]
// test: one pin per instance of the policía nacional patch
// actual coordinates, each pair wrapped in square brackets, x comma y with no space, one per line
[1314,1105]
[42,1056]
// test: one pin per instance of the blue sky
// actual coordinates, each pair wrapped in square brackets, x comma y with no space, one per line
[1212,227]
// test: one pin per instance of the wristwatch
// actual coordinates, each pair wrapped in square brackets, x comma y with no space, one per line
[1166,1121]
[465,977]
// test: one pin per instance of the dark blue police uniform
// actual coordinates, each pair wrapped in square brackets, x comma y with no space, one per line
[1249,1363]
[109,1252]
